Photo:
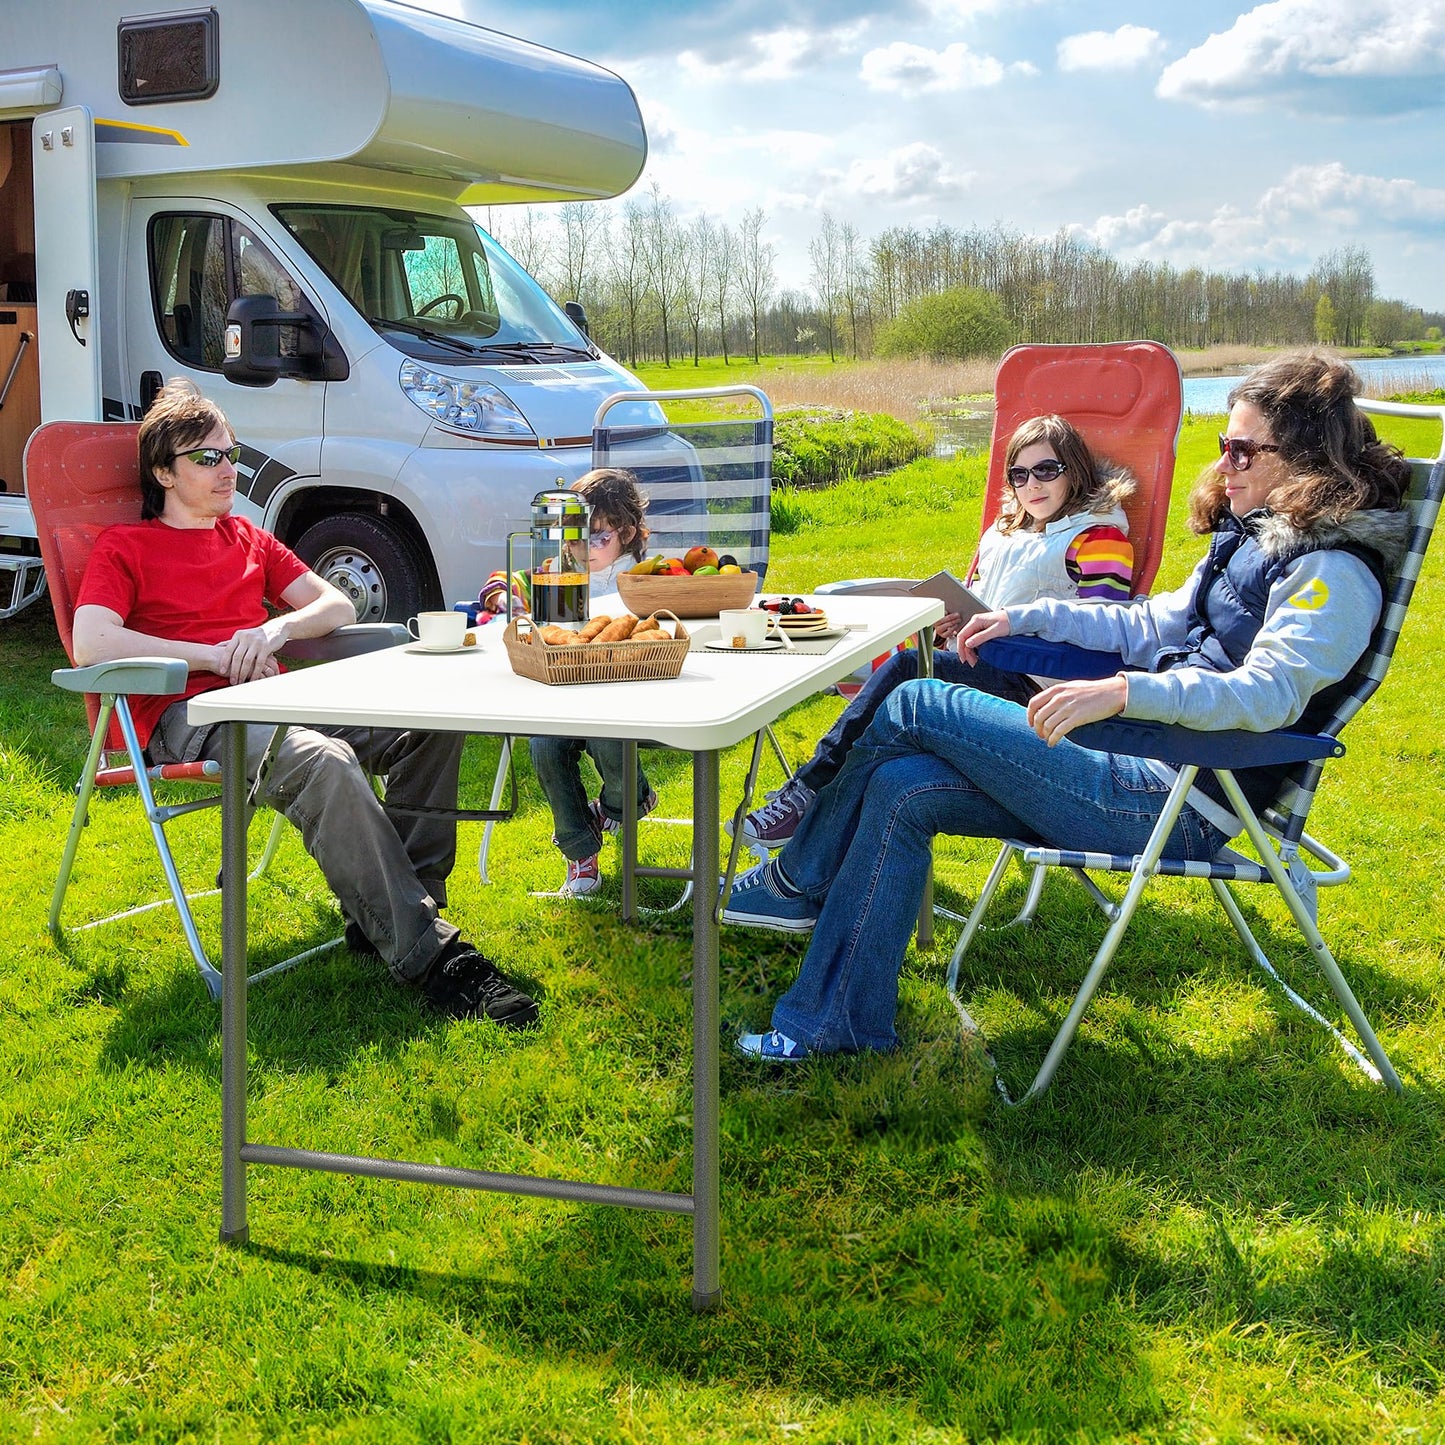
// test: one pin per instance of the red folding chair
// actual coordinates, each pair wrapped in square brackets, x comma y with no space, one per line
[81,478]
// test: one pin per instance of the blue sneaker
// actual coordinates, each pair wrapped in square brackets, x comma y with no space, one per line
[776,1048]
[756,902]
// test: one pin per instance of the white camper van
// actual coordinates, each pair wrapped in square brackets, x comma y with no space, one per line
[267,196]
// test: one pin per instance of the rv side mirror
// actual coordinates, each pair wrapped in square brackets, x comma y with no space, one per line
[253,355]
[577,316]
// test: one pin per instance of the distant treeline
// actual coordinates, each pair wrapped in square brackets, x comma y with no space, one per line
[658,289]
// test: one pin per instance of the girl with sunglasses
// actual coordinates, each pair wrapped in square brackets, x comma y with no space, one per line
[618,539]
[1305,517]
[1062,534]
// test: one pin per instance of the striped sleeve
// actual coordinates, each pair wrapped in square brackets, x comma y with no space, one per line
[1101,562]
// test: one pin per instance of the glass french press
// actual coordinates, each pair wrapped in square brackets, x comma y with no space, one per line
[558,573]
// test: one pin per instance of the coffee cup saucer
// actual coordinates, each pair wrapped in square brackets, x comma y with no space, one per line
[422,647]
[768,644]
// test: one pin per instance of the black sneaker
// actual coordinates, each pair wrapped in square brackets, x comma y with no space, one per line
[358,942]
[466,985]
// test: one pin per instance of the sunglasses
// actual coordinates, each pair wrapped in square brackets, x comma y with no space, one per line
[210,456]
[1241,451]
[598,540]
[1045,471]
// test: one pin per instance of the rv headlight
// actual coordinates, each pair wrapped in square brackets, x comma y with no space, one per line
[471,406]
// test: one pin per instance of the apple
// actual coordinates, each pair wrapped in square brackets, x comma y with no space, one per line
[705,571]
[699,557]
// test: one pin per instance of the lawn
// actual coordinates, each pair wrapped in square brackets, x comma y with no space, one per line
[1211,1229]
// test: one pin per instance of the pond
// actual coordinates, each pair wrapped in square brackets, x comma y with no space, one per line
[962,426]
[1206,395]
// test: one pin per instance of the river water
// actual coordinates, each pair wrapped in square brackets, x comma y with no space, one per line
[968,428]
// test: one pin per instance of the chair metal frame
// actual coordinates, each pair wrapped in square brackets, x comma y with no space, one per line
[1289,858]
[80,477]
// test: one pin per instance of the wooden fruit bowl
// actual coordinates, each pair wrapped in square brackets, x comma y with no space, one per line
[687,596]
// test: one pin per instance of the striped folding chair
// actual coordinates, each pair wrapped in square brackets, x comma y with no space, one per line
[1289,859]
[707,473]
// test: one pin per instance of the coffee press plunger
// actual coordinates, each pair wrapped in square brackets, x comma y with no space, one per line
[558,573]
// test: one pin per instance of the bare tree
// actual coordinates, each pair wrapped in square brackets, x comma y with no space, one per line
[527,236]
[666,262]
[756,276]
[854,280]
[628,272]
[584,236]
[825,252]
[693,295]
[722,279]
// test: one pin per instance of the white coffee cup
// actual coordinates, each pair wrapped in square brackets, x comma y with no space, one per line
[745,626]
[438,631]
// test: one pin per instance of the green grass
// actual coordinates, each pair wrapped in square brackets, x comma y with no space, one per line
[1209,1230]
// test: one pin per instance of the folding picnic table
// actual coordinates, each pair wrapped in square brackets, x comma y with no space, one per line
[719,700]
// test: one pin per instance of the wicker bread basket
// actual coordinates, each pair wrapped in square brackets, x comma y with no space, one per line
[593,661]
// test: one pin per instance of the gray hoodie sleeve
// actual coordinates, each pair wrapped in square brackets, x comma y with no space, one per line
[1135,630]
[1318,621]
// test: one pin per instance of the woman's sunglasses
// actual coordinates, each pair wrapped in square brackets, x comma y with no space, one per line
[1241,451]
[210,456]
[1046,471]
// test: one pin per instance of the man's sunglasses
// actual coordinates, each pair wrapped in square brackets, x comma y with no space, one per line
[1241,451]
[1046,471]
[210,456]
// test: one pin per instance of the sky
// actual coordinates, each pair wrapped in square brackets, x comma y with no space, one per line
[1215,134]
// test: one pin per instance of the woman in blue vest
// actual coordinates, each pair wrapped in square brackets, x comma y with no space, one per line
[1304,514]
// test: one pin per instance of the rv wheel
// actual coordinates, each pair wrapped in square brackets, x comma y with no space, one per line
[371,560]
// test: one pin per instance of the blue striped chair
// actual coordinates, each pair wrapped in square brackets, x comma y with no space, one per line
[1290,859]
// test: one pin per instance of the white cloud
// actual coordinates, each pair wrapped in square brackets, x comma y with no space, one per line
[1121,49]
[1331,193]
[1311,208]
[1337,57]
[916,172]
[772,55]
[915,70]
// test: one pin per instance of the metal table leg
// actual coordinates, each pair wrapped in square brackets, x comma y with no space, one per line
[706,1109]
[234,1228]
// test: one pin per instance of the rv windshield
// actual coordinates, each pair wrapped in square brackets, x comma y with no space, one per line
[438,287]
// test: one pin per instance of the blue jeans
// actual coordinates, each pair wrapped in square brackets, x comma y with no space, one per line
[940,759]
[557,762]
[832,751]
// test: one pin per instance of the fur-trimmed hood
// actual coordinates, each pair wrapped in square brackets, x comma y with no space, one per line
[1385,533]
[1113,486]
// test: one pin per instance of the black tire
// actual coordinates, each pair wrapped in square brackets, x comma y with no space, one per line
[372,560]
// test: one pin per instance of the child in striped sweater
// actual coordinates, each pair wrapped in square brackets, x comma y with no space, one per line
[1064,536]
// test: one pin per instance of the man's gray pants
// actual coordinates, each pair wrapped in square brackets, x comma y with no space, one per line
[387,869]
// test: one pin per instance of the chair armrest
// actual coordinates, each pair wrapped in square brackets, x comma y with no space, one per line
[1049,659]
[348,641]
[157,676]
[1231,748]
[866,586]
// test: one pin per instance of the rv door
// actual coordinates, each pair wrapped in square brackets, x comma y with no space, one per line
[67,270]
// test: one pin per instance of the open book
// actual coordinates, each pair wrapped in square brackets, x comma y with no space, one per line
[943,585]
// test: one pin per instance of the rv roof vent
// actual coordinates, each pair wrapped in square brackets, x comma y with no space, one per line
[169,57]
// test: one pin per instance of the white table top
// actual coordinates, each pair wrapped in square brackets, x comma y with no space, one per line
[717,701]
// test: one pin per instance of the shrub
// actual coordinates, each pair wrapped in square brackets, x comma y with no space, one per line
[948,325]
[814,447]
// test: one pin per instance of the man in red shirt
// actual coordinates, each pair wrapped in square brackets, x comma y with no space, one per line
[192,581]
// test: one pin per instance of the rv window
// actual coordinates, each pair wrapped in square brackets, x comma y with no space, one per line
[172,57]
[437,287]
[199,264]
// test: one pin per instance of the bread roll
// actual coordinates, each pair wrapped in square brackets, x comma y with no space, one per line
[653,634]
[617,631]
[586,634]
[555,636]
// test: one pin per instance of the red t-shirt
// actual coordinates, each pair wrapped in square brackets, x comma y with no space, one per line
[187,584]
